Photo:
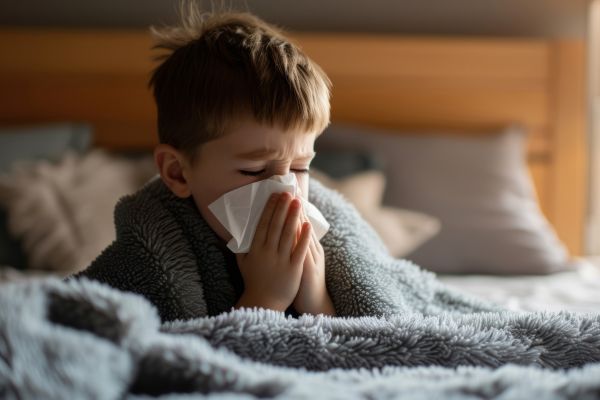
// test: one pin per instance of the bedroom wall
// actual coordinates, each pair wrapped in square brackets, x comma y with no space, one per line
[459,17]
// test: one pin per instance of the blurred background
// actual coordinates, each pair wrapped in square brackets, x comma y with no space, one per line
[456,17]
[437,88]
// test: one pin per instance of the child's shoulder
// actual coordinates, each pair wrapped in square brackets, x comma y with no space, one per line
[146,204]
[154,189]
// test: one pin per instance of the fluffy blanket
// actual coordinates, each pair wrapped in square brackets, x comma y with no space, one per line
[399,332]
[83,339]
[167,252]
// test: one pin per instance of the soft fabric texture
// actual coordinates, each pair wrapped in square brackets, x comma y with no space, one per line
[167,252]
[62,212]
[11,250]
[402,231]
[478,186]
[81,339]
[29,143]
[576,290]
[78,338]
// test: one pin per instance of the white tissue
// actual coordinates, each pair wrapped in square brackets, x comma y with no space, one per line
[240,210]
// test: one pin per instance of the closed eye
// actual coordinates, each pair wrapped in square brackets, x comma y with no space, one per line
[252,173]
[256,173]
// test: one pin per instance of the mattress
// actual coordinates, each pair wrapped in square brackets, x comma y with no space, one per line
[576,290]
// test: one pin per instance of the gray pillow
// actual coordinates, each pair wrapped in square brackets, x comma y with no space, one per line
[28,143]
[339,164]
[478,186]
[42,142]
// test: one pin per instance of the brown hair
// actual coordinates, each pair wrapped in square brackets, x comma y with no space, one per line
[221,66]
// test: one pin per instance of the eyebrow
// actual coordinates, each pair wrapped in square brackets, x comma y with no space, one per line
[260,154]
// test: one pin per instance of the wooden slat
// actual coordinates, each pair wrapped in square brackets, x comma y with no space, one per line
[99,77]
[397,103]
[467,85]
[392,56]
[50,51]
[539,145]
[568,190]
[65,96]
[540,172]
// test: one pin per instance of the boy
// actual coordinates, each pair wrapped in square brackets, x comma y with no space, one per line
[237,103]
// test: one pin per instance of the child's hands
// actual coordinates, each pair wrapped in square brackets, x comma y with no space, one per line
[312,296]
[272,269]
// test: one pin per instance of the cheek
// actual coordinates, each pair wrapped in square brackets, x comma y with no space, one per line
[211,185]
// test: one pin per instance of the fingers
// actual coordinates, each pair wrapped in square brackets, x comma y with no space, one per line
[262,227]
[290,234]
[302,247]
[278,220]
[301,220]
[303,216]
[312,247]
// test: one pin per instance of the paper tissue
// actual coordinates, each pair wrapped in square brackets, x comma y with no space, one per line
[240,210]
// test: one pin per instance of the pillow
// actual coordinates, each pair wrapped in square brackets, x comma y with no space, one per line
[63,212]
[339,164]
[47,142]
[400,230]
[478,186]
[42,142]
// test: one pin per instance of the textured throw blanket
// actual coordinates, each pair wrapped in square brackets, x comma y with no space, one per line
[167,252]
[82,340]
[399,332]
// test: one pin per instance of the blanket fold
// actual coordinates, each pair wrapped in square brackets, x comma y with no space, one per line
[83,339]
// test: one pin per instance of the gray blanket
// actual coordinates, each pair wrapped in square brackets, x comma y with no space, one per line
[167,252]
[82,339]
[399,332]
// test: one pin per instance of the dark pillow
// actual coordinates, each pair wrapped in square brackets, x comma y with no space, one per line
[339,164]
[28,143]
[478,186]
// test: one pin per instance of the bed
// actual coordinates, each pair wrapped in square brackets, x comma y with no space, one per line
[463,86]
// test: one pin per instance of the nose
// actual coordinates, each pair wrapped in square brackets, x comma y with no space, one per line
[281,170]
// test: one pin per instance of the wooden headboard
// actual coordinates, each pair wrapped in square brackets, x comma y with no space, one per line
[471,85]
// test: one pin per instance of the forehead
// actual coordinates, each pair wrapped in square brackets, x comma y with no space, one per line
[250,140]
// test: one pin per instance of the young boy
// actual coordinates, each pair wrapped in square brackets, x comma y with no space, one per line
[237,103]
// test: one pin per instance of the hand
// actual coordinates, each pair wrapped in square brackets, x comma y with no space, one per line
[272,269]
[312,295]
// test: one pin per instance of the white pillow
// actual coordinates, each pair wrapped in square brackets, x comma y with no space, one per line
[402,231]
[63,212]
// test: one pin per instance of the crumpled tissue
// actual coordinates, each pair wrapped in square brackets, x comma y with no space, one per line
[240,210]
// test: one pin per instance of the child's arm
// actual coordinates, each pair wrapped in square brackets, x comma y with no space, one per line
[272,269]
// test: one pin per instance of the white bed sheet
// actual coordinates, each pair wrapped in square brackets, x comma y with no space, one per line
[577,290]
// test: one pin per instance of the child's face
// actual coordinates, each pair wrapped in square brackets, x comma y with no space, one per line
[239,158]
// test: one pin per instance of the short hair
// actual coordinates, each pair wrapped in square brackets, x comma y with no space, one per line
[222,66]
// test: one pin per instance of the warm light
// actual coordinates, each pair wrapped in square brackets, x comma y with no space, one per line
[593,236]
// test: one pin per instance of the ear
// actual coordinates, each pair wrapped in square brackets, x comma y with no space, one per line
[174,169]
